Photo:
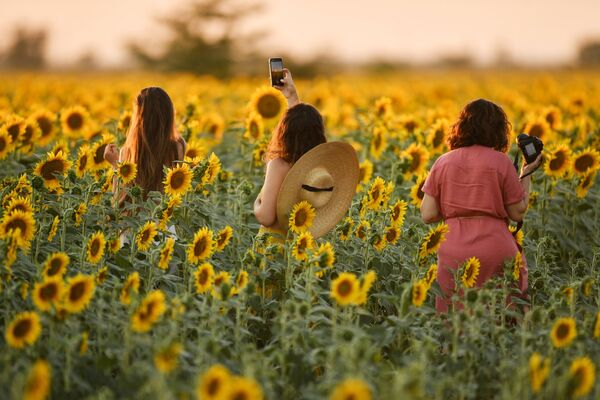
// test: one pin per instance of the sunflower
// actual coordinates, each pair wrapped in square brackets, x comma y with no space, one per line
[37,385]
[582,375]
[392,234]
[431,275]
[166,359]
[202,246]
[596,333]
[437,135]
[114,245]
[303,243]
[221,282]
[520,235]
[149,312]
[363,292]
[586,161]
[83,343]
[74,120]
[14,126]
[267,102]
[418,156]
[378,194]
[398,212]
[23,330]
[46,122]
[213,383]
[517,265]
[178,180]
[365,173]
[101,275]
[60,146]
[325,255]
[540,128]
[223,237]
[146,235]
[168,212]
[213,124]
[79,293]
[240,387]
[124,121]
[346,228]
[6,143]
[569,293]
[166,253]
[553,117]
[416,192]
[558,161]
[563,332]
[585,183]
[419,293]
[131,285]
[383,108]
[254,127]
[539,368]
[212,169]
[586,286]
[378,142]
[362,230]
[19,203]
[55,165]
[301,217]
[204,277]
[127,171]
[195,149]
[379,242]
[433,240]
[20,225]
[470,272]
[95,247]
[56,265]
[30,136]
[351,389]
[79,213]
[47,293]
[97,161]
[241,281]
[345,289]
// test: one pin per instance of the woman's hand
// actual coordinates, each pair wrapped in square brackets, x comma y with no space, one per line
[528,168]
[111,154]
[288,89]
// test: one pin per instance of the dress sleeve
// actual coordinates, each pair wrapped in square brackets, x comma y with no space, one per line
[431,185]
[512,191]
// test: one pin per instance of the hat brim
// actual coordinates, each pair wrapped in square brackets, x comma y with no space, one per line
[341,162]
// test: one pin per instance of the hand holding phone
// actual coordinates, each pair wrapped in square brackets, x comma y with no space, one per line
[285,83]
[276,71]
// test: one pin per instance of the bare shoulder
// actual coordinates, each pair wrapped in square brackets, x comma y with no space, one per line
[278,165]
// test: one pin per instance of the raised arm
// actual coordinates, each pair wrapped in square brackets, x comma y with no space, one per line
[265,205]
[288,88]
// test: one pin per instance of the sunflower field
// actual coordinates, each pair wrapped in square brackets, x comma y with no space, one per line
[181,295]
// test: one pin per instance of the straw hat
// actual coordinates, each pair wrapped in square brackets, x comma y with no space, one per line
[326,177]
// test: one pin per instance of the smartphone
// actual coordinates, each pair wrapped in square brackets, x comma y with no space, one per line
[276,70]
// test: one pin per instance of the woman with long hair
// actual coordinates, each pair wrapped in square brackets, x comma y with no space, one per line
[152,140]
[475,189]
[301,128]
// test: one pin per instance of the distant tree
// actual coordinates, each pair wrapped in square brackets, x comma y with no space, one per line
[203,38]
[589,54]
[27,49]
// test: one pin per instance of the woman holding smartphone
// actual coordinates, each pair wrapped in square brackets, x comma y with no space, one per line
[300,129]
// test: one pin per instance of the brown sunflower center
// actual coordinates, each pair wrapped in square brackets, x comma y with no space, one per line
[300,218]
[82,162]
[410,125]
[145,235]
[147,311]
[177,180]
[344,288]
[203,277]
[99,154]
[213,386]
[192,153]
[55,266]
[95,247]
[240,395]
[77,291]
[52,167]
[558,161]
[219,280]
[22,328]
[221,239]
[75,121]
[536,130]
[469,272]
[433,240]
[438,138]
[390,235]
[377,141]
[583,162]
[415,161]
[268,106]
[16,223]
[14,130]
[562,331]
[49,291]
[3,143]
[27,134]
[418,293]
[45,125]
[126,170]
[420,193]
[200,246]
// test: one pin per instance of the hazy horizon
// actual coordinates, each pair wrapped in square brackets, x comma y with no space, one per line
[530,31]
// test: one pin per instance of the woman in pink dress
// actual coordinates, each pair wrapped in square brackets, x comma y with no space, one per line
[475,189]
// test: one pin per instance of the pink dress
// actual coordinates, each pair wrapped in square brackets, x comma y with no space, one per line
[472,185]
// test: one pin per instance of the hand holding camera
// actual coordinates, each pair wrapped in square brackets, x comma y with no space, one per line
[531,147]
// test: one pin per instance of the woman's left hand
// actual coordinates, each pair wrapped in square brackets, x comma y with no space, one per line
[527,168]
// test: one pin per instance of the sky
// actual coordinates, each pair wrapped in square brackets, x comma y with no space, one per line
[531,31]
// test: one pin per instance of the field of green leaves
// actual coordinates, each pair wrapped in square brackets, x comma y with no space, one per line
[182,295]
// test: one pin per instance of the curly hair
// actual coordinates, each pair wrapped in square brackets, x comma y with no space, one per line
[300,129]
[481,122]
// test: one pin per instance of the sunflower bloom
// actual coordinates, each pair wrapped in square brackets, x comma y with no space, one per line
[56,265]
[416,192]
[6,143]
[19,225]
[202,246]
[301,217]
[126,171]
[146,235]
[242,388]
[539,368]
[213,383]
[53,228]
[378,142]
[149,312]
[166,360]
[55,165]
[254,127]
[418,156]
[204,277]
[355,389]
[398,212]
[470,272]
[582,375]
[365,173]
[419,293]
[365,286]
[346,228]
[23,330]
[166,253]
[558,161]
[433,240]
[78,293]
[563,332]
[131,285]
[345,289]
[223,237]
[178,180]
[431,275]
[241,281]
[585,183]
[268,102]
[585,161]
[303,243]
[213,167]
[74,120]
[39,378]
[95,247]
[47,293]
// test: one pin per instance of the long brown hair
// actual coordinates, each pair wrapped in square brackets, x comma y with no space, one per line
[481,122]
[152,138]
[300,129]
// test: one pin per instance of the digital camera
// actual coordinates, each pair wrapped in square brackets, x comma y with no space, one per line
[531,146]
